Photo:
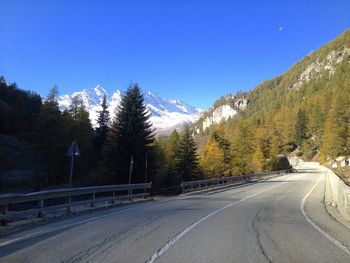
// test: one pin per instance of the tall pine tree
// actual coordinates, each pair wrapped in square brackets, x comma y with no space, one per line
[131,135]
[102,125]
[49,140]
[187,159]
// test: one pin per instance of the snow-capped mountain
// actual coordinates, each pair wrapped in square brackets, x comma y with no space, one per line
[165,115]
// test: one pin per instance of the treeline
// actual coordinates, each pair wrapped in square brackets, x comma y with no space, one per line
[19,109]
[106,151]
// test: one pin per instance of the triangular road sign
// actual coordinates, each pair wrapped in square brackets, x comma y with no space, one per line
[73,149]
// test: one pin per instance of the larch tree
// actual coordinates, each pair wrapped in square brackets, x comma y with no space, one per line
[336,127]
[243,146]
[258,160]
[300,127]
[224,147]
[212,160]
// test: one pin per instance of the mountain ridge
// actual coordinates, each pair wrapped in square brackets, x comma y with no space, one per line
[165,114]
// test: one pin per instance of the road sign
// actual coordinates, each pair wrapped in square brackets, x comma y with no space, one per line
[73,149]
[72,152]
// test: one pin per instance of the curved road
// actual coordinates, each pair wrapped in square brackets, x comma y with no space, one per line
[280,220]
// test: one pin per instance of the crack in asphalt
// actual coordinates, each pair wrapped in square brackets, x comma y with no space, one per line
[257,234]
[104,248]
[94,249]
[147,233]
[256,221]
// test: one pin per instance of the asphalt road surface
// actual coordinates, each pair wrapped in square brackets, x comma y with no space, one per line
[280,220]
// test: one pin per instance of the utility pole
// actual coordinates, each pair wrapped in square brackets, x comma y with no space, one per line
[130,172]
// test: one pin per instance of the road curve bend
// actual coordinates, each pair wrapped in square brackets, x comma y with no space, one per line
[279,220]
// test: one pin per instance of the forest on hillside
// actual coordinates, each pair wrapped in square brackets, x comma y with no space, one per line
[287,115]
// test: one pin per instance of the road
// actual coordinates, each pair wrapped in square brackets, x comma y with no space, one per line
[279,220]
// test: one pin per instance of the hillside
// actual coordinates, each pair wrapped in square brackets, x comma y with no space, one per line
[306,110]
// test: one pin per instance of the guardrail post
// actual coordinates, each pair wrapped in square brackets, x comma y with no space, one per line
[113,196]
[69,209]
[93,199]
[130,194]
[4,212]
[41,205]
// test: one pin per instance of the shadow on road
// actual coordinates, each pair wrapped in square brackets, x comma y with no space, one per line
[213,191]
[307,170]
[16,246]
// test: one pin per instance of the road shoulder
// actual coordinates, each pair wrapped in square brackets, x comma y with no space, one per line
[315,209]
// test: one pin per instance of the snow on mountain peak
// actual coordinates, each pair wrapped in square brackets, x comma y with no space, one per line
[165,115]
[100,91]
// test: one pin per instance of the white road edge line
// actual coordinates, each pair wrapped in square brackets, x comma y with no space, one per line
[172,241]
[56,228]
[330,238]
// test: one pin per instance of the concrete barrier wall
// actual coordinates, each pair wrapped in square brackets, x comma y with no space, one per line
[339,194]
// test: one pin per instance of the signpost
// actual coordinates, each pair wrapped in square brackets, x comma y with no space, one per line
[130,172]
[146,165]
[72,152]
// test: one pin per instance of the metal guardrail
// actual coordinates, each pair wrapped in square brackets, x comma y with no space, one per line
[213,182]
[11,199]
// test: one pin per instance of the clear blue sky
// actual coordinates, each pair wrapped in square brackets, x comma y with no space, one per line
[193,50]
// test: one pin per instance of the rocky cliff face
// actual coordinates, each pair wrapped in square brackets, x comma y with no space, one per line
[229,107]
[325,66]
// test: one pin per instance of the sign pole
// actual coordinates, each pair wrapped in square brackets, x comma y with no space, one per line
[146,164]
[72,166]
[72,152]
[130,172]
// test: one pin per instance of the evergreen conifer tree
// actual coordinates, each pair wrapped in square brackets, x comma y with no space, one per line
[187,159]
[102,125]
[50,140]
[75,107]
[131,135]
[225,148]
[171,149]
[82,132]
